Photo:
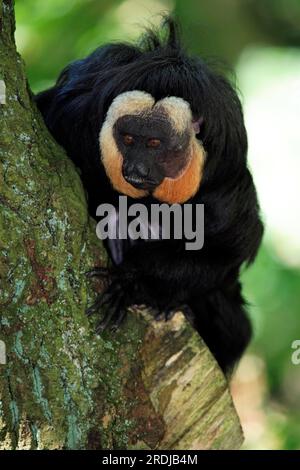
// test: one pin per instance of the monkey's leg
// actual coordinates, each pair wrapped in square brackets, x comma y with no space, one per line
[222,322]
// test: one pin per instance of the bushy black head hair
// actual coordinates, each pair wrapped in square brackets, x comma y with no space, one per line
[75,108]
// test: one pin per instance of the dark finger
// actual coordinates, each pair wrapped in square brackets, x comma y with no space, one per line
[113,309]
[121,316]
[101,272]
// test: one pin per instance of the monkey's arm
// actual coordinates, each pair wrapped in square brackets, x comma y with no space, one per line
[167,266]
[228,243]
[165,275]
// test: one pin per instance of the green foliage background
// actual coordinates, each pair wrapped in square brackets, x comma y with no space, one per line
[51,33]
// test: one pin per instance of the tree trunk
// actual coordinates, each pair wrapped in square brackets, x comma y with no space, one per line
[151,385]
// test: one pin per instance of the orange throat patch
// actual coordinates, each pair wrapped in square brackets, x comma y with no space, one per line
[184,187]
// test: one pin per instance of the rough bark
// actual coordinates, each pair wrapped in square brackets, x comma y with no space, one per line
[151,384]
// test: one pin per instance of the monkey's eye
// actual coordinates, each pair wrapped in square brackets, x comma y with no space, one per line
[153,143]
[128,139]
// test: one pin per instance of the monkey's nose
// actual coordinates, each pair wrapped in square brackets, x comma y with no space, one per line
[137,175]
[135,171]
[141,170]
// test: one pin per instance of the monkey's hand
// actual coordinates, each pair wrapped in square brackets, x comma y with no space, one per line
[115,299]
[124,290]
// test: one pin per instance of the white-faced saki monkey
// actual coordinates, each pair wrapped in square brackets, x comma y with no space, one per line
[157,125]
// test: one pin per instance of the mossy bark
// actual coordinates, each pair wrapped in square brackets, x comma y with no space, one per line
[150,385]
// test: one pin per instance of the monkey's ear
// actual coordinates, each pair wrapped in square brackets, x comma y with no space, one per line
[196,123]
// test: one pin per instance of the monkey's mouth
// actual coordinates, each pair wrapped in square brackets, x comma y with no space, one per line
[140,183]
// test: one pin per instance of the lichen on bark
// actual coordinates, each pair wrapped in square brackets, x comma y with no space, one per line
[63,386]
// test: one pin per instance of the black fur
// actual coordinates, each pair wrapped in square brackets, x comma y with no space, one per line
[162,273]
